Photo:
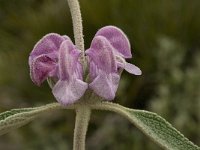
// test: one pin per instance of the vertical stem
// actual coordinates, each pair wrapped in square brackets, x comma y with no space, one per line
[83,111]
[81,126]
[77,26]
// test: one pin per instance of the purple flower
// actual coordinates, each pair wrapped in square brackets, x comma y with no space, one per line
[106,56]
[56,56]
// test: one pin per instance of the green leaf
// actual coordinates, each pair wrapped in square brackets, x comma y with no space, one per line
[154,126]
[16,118]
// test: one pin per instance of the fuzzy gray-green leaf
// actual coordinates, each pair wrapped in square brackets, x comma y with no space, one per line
[16,118]
[154,126]
[160,130]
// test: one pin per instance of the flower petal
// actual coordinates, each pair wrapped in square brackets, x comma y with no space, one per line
[101,53]
[48,44]
[117,39]
[70,87]
[44,57]
[42,67]
[68,92]
[93,70]
[132,69]
[105,85]
[68,60]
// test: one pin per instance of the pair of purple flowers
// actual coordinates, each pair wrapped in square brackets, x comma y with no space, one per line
[55,56]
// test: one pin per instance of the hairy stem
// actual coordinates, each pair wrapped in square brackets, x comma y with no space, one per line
[82,111]
[77,26]
[82,119]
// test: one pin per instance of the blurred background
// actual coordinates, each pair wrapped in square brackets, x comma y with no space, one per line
[165,39]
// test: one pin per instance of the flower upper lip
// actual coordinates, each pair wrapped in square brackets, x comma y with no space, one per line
[117,39]
[102,54]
